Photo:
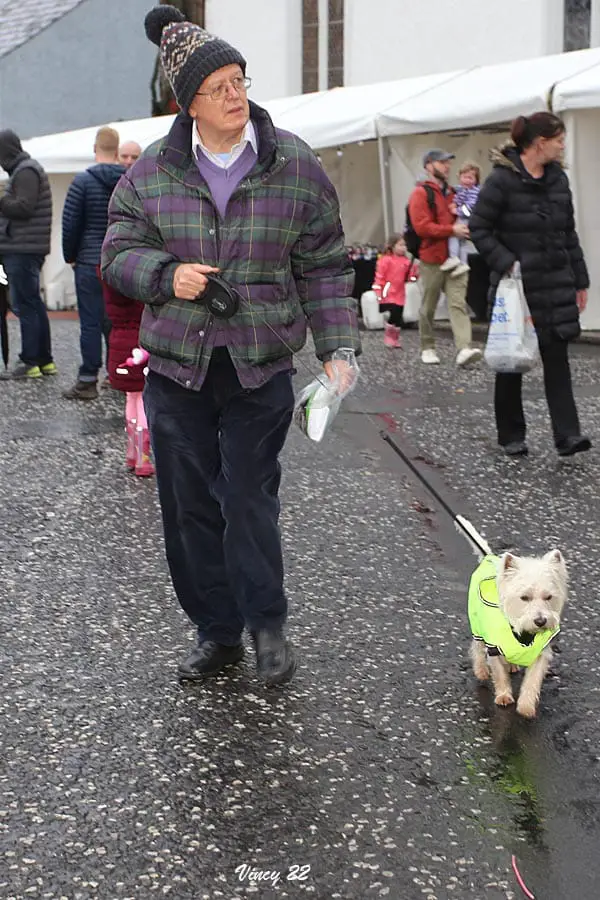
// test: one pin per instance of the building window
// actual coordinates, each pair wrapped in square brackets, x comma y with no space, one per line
[336,44]
[310,46]
[578,23]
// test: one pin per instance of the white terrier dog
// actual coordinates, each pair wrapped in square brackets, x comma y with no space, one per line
[515,605]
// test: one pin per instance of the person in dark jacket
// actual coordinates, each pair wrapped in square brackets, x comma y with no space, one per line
[84,224]
[25,226]
[525,214]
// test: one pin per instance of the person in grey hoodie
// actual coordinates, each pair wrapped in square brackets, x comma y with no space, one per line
[84,224]
[25,226]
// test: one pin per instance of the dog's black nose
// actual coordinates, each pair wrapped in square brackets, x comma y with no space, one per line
[540,621]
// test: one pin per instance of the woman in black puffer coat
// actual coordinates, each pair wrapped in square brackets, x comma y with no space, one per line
[525,214]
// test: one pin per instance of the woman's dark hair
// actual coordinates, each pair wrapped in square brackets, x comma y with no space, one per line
[391,242]
[525,129]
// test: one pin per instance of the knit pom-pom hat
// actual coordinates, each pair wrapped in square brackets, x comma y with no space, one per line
[188,53]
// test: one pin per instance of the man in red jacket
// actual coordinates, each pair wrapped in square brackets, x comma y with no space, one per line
[434,227]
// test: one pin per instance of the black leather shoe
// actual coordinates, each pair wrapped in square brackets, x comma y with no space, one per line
[572,445]
[275,660]
[516,448]
[209,658]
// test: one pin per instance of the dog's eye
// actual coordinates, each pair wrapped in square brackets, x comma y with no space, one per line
[547,598]
[525,598]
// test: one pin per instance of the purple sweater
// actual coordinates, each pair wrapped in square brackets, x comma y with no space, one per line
[223,182]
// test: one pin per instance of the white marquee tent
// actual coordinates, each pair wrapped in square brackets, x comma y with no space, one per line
[371,139]
[469,113]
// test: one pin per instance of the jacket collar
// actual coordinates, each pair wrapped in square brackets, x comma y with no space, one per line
[507,156]
[176,153]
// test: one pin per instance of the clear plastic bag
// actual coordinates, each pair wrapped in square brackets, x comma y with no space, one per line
[512,344]
[319,402]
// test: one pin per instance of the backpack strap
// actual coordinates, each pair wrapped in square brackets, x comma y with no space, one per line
[430,199]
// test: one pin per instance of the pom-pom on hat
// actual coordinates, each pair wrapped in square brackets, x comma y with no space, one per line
[188,53]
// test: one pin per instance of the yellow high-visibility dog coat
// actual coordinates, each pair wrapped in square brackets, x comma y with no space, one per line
[490,625]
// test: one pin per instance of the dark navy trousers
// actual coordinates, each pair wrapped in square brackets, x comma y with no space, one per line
[217,464]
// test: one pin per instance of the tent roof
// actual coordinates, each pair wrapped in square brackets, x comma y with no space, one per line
[72,151]
[348,115]
[485,95]
[473,98]
[581,91]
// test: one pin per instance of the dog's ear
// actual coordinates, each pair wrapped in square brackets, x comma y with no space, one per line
[555,557]
[508,562]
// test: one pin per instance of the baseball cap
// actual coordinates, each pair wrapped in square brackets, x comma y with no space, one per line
[437,155]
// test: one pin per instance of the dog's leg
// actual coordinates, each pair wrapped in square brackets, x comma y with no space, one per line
[501,678]
[532,685]
[478,658]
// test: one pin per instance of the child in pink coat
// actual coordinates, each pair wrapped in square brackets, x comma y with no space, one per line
[394,269]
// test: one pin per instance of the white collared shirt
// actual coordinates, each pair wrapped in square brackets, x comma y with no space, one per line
[225,160]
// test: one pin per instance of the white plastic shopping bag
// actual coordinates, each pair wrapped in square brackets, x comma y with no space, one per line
[512,344]
[372,318]
[319,402]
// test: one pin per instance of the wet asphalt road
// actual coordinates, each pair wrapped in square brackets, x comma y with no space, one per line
[383,771]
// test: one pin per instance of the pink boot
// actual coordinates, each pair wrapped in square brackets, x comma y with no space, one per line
[143,466]
[392,337]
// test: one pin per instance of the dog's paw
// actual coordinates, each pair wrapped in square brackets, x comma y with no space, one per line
[526,709]
[506,699]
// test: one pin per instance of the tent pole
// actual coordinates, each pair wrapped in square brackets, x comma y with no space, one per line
[383,146]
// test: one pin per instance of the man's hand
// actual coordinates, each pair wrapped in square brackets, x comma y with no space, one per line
[342,375]
[460,230]
[190,280]
[581,299]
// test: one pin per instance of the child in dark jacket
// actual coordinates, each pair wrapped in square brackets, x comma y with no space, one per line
[394,269]
[126,373]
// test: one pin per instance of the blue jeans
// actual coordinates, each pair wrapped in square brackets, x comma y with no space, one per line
[216,453]
[23,273]
[92,320]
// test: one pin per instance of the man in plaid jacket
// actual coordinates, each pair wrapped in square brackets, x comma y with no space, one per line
[225,192]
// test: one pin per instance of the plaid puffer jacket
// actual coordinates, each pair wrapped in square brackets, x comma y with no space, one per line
[281,245]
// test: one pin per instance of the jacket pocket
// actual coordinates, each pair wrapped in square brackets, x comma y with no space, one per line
[174,330]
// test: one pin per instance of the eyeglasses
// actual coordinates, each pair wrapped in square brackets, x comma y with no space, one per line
[239,84]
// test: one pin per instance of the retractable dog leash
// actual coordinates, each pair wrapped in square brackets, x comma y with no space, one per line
[478,543]
[223,302]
